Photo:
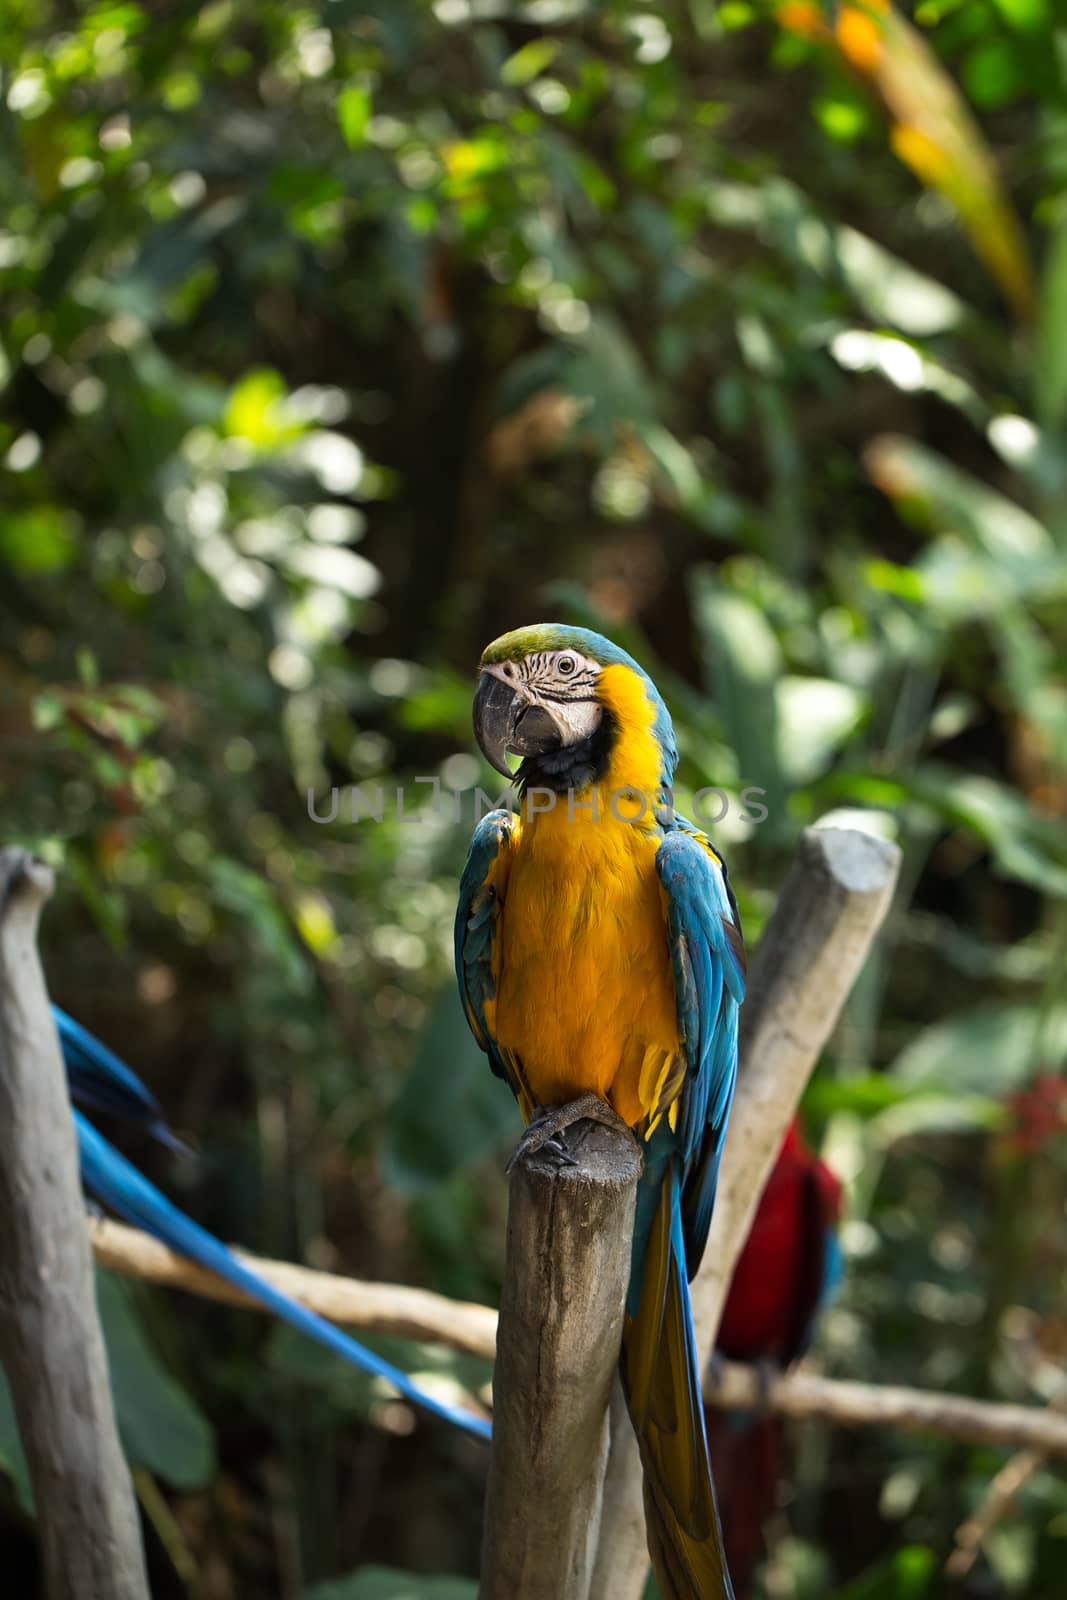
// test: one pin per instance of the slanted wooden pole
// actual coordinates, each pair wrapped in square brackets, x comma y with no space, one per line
[51,1346]
[565,1274]
[833,901]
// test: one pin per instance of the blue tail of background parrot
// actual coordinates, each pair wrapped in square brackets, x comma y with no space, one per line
[99,1080]
[661,1377]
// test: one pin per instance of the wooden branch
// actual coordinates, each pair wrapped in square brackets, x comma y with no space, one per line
[372,1307]
[51,1345]
[850,1405]
[418,1314]
[1001,1494]
[833,901]
[565,1275]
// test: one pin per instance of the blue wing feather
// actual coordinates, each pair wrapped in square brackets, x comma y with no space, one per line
[477,917]
[660,1362]
[707,955]
[105,1082]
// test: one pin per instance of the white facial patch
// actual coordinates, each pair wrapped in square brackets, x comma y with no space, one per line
[564,683]
[577,720]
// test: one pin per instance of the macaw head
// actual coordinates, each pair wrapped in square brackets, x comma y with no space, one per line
[569,701]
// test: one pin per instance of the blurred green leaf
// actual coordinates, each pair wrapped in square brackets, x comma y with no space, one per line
[950,500]
[907,1575]
[742,666]
[987,1050]
[353,114]
[160,1426]
[1024,845]
[529,62]
[39,541]
[242,891]
[450,1374]
[387,1583]
[1050,369]
[815,717]
[256,410]
[13,1461]
[994,74]
[452,1110]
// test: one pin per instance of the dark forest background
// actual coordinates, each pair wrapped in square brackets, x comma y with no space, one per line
[336,339]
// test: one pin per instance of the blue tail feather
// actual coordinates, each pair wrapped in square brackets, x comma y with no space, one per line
[99,1079]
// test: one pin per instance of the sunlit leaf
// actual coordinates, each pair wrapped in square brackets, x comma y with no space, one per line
[1028,16]
[815,717]
[1050,368]
[353,114]
[987,1050]
[335,568]
[951,500]
[38,541]
[529,62]
[256,410]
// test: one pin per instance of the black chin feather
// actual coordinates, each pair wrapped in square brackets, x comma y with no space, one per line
[572,766]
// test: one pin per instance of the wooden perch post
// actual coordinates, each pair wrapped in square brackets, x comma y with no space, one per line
[565,1275]
[833,901]
[51,1345]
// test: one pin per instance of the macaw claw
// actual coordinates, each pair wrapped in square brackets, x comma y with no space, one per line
[546,1131]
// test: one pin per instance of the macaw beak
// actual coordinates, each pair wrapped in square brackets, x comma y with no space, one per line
[506,722]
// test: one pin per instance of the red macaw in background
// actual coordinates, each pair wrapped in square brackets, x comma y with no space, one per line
[791,1263]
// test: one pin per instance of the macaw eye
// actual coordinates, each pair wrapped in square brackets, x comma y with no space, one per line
[566,665]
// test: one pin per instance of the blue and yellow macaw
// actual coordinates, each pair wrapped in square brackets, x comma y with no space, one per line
[601,966]
[99,1080]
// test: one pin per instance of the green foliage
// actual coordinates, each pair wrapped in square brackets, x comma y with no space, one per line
[12,1456]
[339,338]
[385,1583]
[908,1575]
[161,1427]
[450,1113]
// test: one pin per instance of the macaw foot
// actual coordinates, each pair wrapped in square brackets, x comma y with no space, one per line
[546,1131]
